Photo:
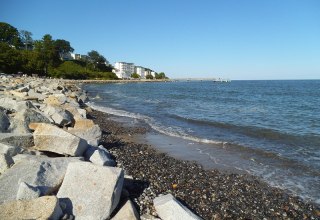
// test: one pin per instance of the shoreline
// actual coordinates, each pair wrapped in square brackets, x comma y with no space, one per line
[211,194]
[101,81]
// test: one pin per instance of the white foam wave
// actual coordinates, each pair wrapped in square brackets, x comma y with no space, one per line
[170,131]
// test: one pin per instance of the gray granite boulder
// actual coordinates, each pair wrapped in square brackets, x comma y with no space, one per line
[27,191]
[99,155]
[43,172]
[168,208]
[23,89]
[127,212]
[5,162]
[4,121]
[21,121]
[39,96]
[88,130]
[46,207]
[90,191]
[53,139]
[10,150]
[59,115]
[12,104]
[56,99]
[17,139]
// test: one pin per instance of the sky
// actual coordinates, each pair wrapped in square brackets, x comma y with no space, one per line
[235,39]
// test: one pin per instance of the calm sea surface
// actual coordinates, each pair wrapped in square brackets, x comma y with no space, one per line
[270,129]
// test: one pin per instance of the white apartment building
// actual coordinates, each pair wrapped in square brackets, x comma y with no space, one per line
[147,72]
[123,70]
[140,71]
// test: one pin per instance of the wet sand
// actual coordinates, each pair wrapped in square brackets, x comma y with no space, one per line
[211,194]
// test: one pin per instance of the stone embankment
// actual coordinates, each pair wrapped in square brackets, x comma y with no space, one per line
[51,163]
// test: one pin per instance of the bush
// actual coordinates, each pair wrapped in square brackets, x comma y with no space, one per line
[77,70]
[149,77]
[135,75]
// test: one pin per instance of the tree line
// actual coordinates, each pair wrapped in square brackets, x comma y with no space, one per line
[19,53]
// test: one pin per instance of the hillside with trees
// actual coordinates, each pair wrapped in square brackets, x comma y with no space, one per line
[19,53]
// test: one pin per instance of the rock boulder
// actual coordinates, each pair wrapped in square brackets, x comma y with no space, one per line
[169,208]
[90,191]
[99,155]
[86,129]
[127,212]
[27,191]
[46,207]
[43,172]
[50,138]
[4,121]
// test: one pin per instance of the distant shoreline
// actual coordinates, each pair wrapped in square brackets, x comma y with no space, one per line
[99,81]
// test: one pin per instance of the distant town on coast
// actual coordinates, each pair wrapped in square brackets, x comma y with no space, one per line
[19,53]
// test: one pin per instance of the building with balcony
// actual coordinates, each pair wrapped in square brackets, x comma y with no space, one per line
[140,71]
[123,70]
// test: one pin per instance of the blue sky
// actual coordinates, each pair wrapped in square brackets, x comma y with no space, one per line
[236,39]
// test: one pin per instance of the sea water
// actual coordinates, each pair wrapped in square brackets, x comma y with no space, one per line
[270,129]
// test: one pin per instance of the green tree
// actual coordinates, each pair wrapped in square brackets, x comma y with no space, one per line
[10,59]
[97,60]
[26,38]
[62,47]
[161,75]
[149,76]
[31,62]
[46,53]
[10,35]
[135,75]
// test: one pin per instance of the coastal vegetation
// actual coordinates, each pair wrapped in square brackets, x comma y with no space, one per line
[19,53]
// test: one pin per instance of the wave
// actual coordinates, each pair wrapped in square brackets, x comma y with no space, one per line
[270,166]
[170,131]
[257,132]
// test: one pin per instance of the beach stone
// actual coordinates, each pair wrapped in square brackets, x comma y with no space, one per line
[46,207]
[4,121]
[20,157]
[127,212]
[39,96]
[168,208]
[10,150]
[56,99]
[82,112]
[83,97]
[44,172]
[5,162]
[17,139]
[90,191]
[21,121]
[76,112]
[50,138]
[99,155]
[11,104]
[88,130]
[27,191]
[59,115]
[23,89]
[18,94]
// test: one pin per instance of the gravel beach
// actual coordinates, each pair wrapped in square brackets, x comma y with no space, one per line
[211,194]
